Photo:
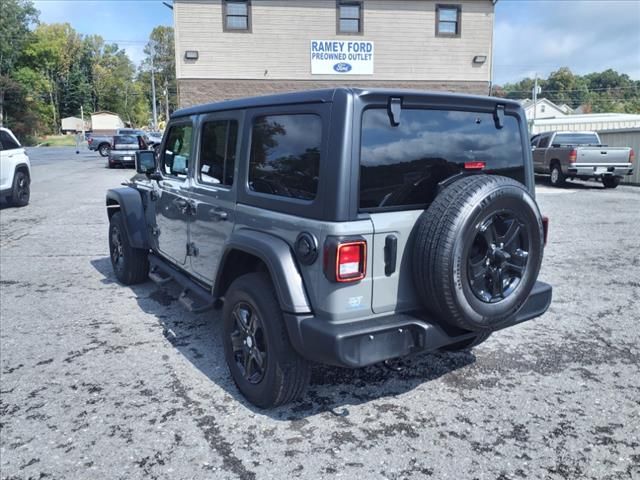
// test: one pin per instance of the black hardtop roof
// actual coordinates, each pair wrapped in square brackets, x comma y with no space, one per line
[324,96]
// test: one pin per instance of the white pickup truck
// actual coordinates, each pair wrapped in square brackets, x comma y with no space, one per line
[569,155]
[15,170]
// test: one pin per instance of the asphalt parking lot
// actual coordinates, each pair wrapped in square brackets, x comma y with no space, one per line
[104,381]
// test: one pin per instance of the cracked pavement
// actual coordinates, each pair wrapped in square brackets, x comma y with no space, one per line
[99,380]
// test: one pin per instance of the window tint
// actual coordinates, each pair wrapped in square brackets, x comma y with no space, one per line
[7,142]
[236,16]
[402,166]
[447,20]
[177,151]
[544,141]
[125,139]
[349,17]
[218,152]
[576,139]
[285,155]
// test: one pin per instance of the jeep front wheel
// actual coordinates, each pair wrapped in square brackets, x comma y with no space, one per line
[131,265]
[263,364]
[478,251]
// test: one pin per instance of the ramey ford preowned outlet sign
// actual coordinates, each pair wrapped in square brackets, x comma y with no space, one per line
[341,57]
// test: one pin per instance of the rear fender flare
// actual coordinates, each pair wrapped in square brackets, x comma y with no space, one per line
[129,201]
[278,258]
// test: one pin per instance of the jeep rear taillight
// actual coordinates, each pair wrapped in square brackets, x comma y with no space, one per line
[474,165]
[573,156]
[345,260]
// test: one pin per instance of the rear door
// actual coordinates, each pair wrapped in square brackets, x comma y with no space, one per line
[173,208]
[400,171]
[539,154]
[213,191]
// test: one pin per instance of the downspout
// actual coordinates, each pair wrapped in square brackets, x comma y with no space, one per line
[493,26]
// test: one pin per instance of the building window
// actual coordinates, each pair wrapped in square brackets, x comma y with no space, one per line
[448,20]
[236,15]
[349,17]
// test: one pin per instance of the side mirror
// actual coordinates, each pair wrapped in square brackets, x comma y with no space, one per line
[533,147]
[146,162]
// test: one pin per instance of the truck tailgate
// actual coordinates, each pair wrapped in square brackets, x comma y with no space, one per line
[603,155]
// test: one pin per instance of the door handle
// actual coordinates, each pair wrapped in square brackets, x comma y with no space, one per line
[181,203]
[218,214]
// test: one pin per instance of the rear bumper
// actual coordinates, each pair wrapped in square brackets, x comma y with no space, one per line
[599,171]
[365,342]
[120,158]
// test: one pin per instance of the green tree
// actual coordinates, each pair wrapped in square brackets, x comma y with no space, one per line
[160,55]
[16,19]
[607,91]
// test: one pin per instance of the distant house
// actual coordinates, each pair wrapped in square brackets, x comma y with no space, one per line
[105,123]
[73,125]
[544,108]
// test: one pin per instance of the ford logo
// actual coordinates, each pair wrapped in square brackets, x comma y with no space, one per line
[342,67]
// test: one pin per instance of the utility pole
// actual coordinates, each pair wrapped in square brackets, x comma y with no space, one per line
[166,100]
[535,97]
[82,118]
[153,92]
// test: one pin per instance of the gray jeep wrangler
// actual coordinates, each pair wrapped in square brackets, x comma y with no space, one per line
[340,226]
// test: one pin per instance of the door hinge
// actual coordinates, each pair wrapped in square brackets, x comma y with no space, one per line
[192,250]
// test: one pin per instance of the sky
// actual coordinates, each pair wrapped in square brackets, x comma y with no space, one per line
[530,36]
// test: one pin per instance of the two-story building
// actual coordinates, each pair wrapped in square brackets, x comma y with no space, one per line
[236,48]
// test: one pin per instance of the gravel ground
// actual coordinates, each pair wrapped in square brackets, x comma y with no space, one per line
[105,381]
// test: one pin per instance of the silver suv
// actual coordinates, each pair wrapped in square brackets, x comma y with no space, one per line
[341,226]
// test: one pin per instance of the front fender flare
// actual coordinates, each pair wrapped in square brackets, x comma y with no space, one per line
[278,257]
[130,204]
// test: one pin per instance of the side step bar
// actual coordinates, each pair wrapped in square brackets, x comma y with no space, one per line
[194,297]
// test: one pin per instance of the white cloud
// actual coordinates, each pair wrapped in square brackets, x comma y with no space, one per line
[586,36]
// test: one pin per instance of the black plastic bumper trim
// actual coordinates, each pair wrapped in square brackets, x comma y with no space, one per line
[365,342]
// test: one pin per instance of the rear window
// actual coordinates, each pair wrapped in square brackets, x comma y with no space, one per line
[576,139]
[125,140]
[285,155]
[401,166]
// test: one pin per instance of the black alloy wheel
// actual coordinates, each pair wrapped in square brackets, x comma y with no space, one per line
[117,249]
[248,343]
[21,189]
[498,257]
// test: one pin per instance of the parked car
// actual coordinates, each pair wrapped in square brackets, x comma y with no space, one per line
[104,143]
[124,150]
[569,155]
[15,170]
[100,143]
[341,226]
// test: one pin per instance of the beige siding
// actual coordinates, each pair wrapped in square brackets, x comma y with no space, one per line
[626,138]
[406,47]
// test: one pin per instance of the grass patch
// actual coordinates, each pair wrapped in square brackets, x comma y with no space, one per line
[57,141]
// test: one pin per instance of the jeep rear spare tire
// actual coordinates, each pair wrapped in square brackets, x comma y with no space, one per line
[478,251]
